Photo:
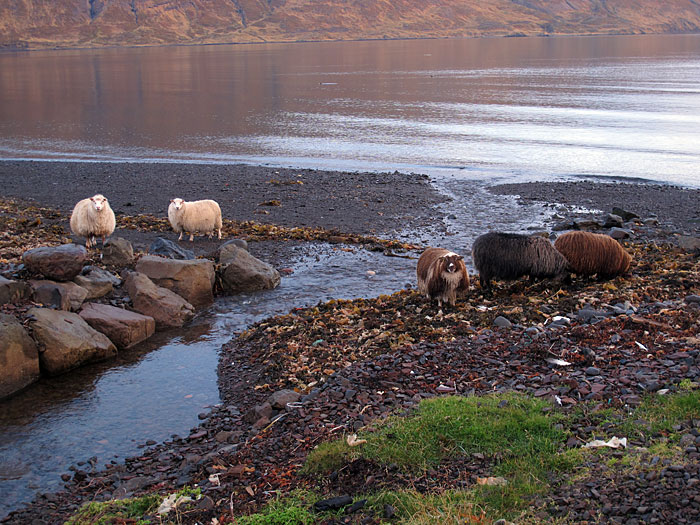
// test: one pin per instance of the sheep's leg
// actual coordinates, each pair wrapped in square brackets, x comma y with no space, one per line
[219,233]
[191,237]
[180,237]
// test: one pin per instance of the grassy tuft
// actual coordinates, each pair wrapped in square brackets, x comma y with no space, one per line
[109,512]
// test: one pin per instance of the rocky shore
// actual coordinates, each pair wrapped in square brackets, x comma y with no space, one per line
[597,352]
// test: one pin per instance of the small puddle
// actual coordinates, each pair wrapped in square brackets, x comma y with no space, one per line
[107,411]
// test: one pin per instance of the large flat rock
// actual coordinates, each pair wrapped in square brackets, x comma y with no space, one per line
[19,358]
[167,308]
[66,341]
[191,279]
[123,327]
[58,263]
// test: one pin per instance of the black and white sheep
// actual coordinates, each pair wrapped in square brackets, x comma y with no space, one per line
[195,217]
[93,218]
[512,255]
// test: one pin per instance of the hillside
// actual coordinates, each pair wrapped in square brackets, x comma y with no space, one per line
[92,23]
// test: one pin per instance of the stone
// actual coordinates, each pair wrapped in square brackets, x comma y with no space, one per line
[13,291]
[502,322]
[586,224]
[279,399]
[692,299]
[58,263]
[169,250]
[651,221]
[226,250]
[19,358]
[97,282]
[72,295]
[257,412]
[613,221]
[65,341]
[626,215]
[118,252]
[592,371]
[50,295]
[123,327]
[619,233]
[689,243]
[241,272]
[191,279]
[168,309]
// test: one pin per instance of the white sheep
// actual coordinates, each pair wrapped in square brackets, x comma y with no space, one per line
[93,218]
[196,216]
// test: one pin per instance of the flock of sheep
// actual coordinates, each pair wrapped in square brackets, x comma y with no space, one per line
[93,218]
[441,273]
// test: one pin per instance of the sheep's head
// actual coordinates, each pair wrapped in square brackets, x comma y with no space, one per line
[450,262]
[177,203]
[99,202]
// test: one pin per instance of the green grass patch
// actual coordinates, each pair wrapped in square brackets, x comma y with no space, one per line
[129,510]
[522,439]
[109,512]
[294,509]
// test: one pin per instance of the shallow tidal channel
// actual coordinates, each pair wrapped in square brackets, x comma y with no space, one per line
[108,411]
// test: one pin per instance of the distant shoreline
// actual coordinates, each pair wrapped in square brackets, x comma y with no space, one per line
[6,48]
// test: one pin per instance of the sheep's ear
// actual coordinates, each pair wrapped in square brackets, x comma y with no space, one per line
[92,199]
[172,200]
[460,258]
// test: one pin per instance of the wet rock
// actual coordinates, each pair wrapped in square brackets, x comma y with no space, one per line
[69,295]
[592,371]
[241,272]
[12,291]
[651,221]
[564,225]
[96,281]
[167,308]
[18,355]
[169,250]
[692,299]
[191,279]
[65,341]
[57,263]
[279,399]
[118,252]
[122,327]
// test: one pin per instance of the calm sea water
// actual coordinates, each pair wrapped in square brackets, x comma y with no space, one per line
[513,109]
[493,109]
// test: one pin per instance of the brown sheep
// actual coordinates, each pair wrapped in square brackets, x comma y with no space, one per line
[590,253]
[441,274]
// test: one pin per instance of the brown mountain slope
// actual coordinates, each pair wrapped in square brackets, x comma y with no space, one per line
[87,23]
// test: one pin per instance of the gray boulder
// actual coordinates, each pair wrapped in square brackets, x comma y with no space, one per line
[58,263]
[96,281]
[193,280]
[168,309]
[66,341]
[118,252]
[19,358]
[613,221]
[124,328]
[226,248]
[47,293]
[13,291]
[241,272]
[169,250]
